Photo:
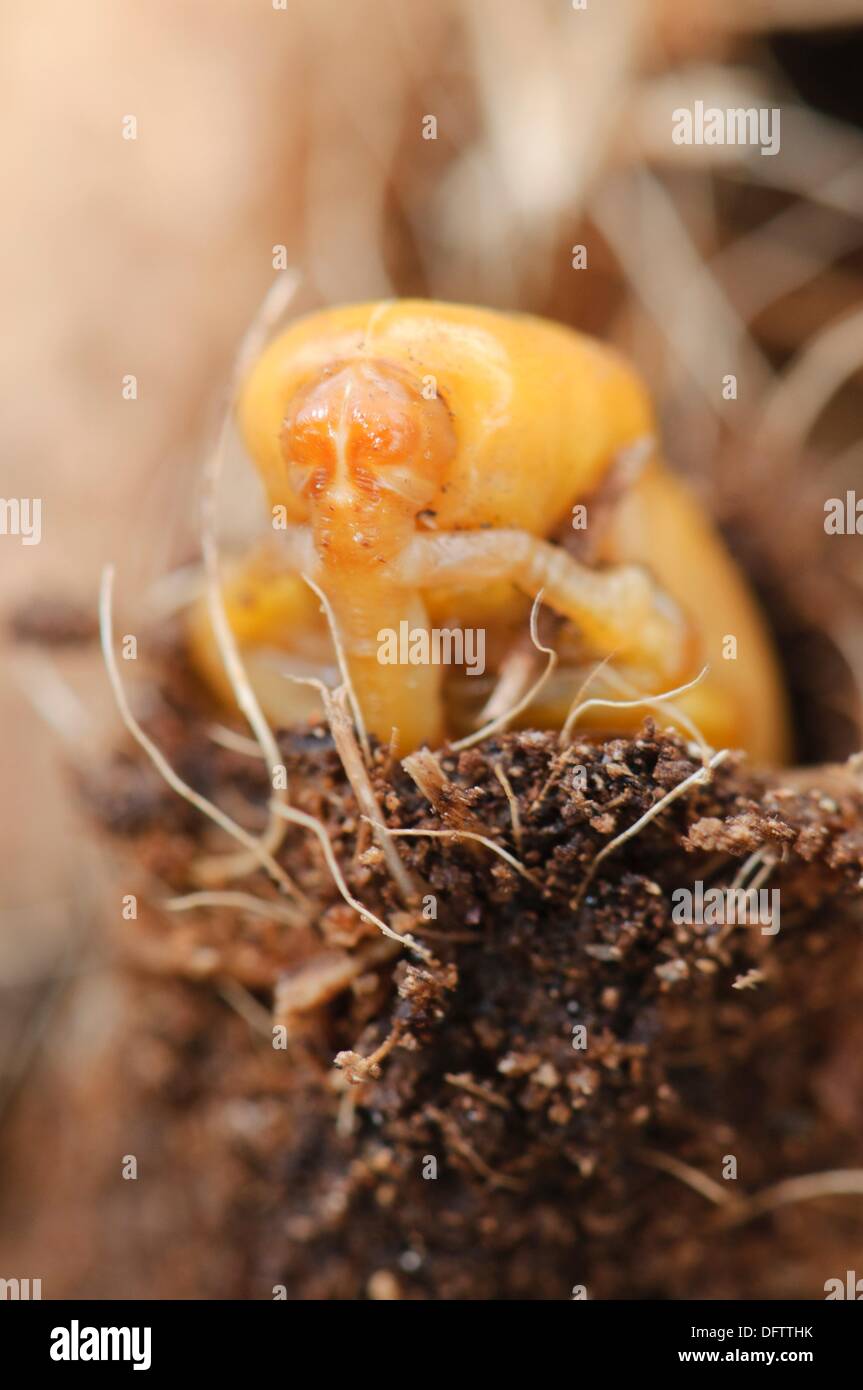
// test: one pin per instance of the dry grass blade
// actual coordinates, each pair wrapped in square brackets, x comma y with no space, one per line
[666,271]
[53,699]
[357,774]
[515,814]
[814,376]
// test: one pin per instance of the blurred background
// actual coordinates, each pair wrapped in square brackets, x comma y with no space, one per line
[268,137]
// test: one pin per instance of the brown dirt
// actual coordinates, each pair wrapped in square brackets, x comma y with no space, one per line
[262,1166]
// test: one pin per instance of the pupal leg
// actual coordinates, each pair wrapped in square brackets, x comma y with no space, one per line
[618,610]
[277,622]
[385,636]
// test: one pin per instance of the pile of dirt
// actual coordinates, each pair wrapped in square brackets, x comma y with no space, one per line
[555,1094]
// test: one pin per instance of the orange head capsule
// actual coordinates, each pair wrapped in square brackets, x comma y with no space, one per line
[366,451]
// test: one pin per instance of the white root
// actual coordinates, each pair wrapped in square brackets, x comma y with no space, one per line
[707,1187]
[238,902]
[658,701]
[697,778]
[837,1182]
[507,717]
[480,840]
[515,814]
[341,658]
[234,742]
[297,817]
[272,309]
[259,853]
[737,1211]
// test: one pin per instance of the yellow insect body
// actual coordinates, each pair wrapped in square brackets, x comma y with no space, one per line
[421,460]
